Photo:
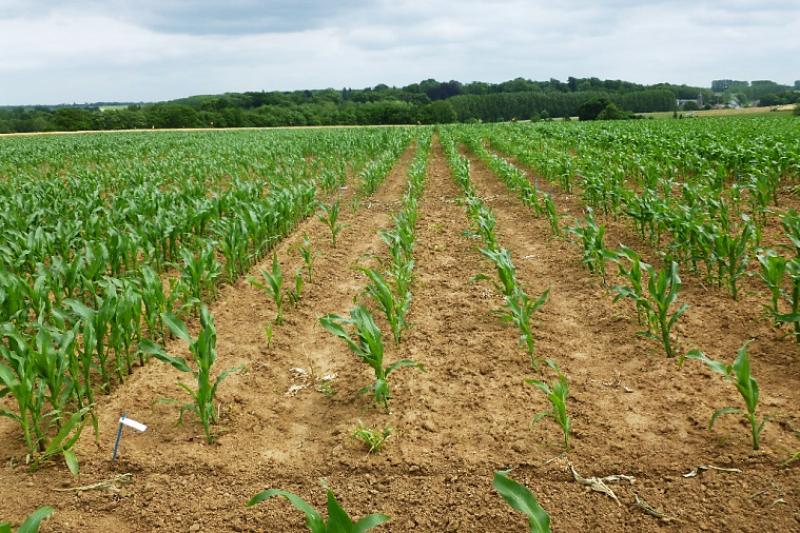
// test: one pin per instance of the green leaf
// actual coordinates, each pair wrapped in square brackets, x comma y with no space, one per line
[313,518]
[724,411]
[149,347]
[57,444]
[7,377]
[403,363]
[177,327]
[80,309]
[716,366]
[31,524]
[72,462]
[370,522]
[222,376]
[521,499]
[338,519]
[539,416]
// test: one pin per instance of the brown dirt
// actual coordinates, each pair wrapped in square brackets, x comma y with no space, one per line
[468,415]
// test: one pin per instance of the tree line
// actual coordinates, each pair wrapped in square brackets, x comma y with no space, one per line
[426,102]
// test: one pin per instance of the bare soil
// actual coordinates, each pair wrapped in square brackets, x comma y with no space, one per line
[467,415]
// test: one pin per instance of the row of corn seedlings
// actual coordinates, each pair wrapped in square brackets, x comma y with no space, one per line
[519,309]
[389,290]
[72,326]
[518,306]
[339,520]
[655,293]
[541,203]
[706,223]
[203,348]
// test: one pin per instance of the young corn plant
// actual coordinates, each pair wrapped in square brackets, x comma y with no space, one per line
[308,257]
[595,253]
[739,374]
[772,270]
[521,499]
[366,342]
[732,257]
[330,216]
[204,352]
[557,394]
[519,311]
[338,519]
[273,286]
[373,439]
[268,333]
[552,215]
[635,290]
[199,275]
[663,287]
[519,307]
[394,307]
[31,523]
[297,292]
[793,298]
[38,380]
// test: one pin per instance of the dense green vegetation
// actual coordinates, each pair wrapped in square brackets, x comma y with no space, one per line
[92,223]
[427,102]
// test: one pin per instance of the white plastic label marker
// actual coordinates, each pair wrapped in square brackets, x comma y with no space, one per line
[138,426]
[125,421]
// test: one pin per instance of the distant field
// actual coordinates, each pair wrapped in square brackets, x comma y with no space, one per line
[726,112]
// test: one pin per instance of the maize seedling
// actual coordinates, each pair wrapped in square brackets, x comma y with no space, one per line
[204,352]
[635,291]
[521,499]
[663,288]
[296,293]
[366,342]
[273,286]
[268,333]
[394,307]
[731,256]
[739,373]
[372,438]
[37,378]
[330,216]
[338,519]
[552,215]
[595,253]
[308,257]
[557,394]
[519,307]
[773,268]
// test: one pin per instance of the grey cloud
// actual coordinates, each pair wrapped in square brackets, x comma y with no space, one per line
[90,50]
[198,17]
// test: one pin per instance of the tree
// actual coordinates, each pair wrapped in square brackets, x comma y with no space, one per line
[797,110]
[612,112]
[590,109]
[438,112]
[691,105]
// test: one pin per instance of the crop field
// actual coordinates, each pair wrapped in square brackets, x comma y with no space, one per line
[489,327]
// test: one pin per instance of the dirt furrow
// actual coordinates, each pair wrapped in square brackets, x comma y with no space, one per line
[633,410]
[178,479]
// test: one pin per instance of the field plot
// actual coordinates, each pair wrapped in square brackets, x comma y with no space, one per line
[395,306]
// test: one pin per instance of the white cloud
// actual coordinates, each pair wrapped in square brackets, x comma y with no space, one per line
[87,50]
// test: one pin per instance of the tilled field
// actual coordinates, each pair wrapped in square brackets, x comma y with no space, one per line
[467,415]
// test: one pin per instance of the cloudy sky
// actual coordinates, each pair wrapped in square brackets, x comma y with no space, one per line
[55,51]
